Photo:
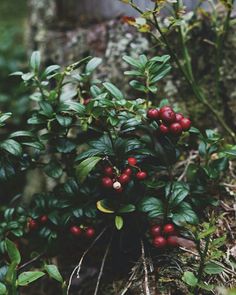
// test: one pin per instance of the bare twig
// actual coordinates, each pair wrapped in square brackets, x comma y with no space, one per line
[31,261]
[131,278]
[146,285]
[102,265]
[78,267]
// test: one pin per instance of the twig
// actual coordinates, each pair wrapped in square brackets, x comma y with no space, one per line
[31,261]
[78,267]
[146,286]
[102,265]
[130,280]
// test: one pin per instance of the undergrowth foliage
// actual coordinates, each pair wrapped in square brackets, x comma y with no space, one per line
[113,162]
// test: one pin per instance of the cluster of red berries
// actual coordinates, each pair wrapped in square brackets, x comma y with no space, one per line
[77,231]
[169,122]
[33,224]
[114,179]
[164,235]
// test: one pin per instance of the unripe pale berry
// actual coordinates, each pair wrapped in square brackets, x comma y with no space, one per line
[116,185]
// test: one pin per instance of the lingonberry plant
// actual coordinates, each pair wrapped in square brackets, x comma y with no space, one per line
[113,162]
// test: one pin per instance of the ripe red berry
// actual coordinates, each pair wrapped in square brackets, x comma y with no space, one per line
[166,108]
[86,101]
[172,241]
[155,230]
[132,161]
[108,171]
[75,230]
[163,129]
[159,242]
[169,228]
[124,178]
[153,114]
[107,182]
[119,190]
[168,116]
[185,123]
[176,128]
[127,171]
[141,175]
[32,224]
[178,117]
[90,232]
[43,218]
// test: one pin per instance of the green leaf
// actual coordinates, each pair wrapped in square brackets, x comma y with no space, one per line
[51,69]
[113,90]
[127,208]
[53,169]
[46,109]
[190,279]
[184,214]
[4,117]
[64,121]
[138,86]
[212,268]
[93,64]
[133,62]
[119,222]
[13,252]
[177,191]
[84,168]
[28,277]
[152,206]
[3,289]
[53,272]
[35,61]
[21,134]
[12,147]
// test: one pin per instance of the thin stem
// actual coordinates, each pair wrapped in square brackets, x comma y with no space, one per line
[187,73]
[203,255]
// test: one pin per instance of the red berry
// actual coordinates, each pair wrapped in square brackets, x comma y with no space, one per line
[168,116]
[159,242]
[169,228]
[141,175]
[185,123]
[124,178]
[119,190]
[43,219]
[172,241]
[178,117]
[32,224]
[90,232]
[163,129]
[176,128]
[153,114]
[155,230]
[166,108]
[86,101]
[108,171]
[75,230]
[127,171]
[107,182]
[132,161]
